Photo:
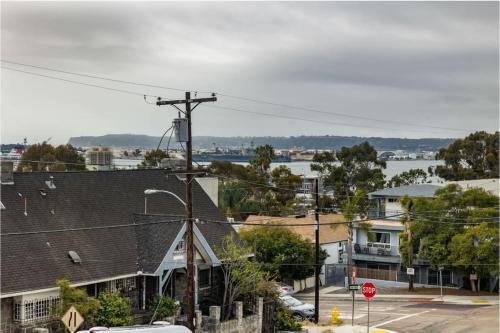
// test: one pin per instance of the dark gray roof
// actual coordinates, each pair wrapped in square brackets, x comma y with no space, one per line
[92,200]
[420,190]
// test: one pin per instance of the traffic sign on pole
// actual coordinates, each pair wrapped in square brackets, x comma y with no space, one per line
[368,290]
[354,287]
[410,271]
[72,319]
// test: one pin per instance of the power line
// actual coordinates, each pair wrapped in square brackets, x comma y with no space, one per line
[78,82]
[96,76]
[88,228]
[311,120]
[289,106]
[237,97]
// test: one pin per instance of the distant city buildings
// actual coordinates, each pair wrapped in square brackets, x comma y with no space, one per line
[99,159]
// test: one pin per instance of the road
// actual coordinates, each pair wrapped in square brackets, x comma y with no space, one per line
[414,317]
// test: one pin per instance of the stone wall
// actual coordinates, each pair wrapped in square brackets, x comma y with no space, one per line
[248,324]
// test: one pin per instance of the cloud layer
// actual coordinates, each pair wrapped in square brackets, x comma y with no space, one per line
[418,63]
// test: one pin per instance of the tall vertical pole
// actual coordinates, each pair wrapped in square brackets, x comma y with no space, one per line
[368,324]
[352,314]
[189,213]
[441,281]
[316,285]
[410,248]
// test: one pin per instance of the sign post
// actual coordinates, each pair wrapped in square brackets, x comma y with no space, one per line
[369,290]
[441,280]
[353,288]
[72,319]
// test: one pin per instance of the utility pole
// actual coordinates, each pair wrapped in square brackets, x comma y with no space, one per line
[316,285]
[410,246]
[189,195]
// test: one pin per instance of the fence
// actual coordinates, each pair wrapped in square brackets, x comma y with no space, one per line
[336,274]
[240,324]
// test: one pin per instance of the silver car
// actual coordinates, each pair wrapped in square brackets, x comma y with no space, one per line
[298,309]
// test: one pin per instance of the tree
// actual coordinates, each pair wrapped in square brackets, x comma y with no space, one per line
[286,183]
[351,210]
[152,158]
[114,310]
[262,159]
[359,168]
[240,274]
[474,157]
[410,177]
[282,252]
[441,225]
[71,296]
[44,157]
[476,250]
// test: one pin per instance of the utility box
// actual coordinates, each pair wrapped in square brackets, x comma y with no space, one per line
[180,129]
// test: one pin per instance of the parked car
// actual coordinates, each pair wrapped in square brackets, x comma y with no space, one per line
[284,289]
[157,327]
[298,309]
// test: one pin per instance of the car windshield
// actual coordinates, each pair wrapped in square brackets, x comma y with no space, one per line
[293,301]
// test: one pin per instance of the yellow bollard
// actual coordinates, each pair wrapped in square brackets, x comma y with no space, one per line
[335,316]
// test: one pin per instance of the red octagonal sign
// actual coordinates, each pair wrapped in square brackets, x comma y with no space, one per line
[369,290]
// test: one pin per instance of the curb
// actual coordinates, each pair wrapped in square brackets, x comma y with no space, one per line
[433,300]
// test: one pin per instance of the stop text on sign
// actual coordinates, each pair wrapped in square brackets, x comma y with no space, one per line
[368,290]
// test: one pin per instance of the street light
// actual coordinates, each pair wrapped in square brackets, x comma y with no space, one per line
[154,191]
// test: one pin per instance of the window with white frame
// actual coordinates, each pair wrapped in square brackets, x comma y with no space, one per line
[35,309]
[125,284]
[17,311]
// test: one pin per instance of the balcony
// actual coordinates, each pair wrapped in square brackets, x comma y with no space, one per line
[379,252]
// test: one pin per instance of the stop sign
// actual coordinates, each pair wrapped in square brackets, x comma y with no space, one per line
[369,290]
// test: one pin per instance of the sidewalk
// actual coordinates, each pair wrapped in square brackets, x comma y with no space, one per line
[345,329]
[327,293]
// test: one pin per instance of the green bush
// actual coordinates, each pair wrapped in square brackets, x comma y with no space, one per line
[165,307]
[285,322]
[114,311]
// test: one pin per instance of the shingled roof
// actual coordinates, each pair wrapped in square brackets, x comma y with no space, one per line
[119,240]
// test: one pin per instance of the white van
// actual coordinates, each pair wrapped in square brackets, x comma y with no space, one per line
[157,327]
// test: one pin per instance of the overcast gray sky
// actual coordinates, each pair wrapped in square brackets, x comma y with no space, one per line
[419,63]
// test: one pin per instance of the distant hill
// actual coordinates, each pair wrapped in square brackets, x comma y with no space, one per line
[300,142]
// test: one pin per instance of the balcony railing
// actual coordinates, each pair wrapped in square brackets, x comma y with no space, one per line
[377,249]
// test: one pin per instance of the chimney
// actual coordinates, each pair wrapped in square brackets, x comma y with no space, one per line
[7,175]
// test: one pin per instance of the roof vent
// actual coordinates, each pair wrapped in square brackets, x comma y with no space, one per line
[42,192]
[75,258]
[50,183]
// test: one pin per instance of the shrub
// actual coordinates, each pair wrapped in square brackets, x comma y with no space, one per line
[164,307]
[285,322]
[114,311]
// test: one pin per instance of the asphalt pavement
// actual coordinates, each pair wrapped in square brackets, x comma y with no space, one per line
[411,315]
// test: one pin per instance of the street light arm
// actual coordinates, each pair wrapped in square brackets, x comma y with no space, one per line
[154,191]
